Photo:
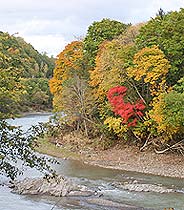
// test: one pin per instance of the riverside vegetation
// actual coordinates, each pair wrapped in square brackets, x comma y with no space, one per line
[121,83]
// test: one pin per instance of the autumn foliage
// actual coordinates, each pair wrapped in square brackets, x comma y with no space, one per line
[151,66]
[123,82]
[69,62]
[130,112]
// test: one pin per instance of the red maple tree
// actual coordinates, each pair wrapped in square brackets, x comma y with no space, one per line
[130,112]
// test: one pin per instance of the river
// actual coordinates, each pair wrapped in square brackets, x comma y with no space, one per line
[100,179]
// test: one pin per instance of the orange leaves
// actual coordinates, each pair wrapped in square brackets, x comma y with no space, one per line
[68,63]
[55,85]
[70,55]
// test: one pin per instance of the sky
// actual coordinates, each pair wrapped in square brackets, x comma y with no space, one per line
[51,24]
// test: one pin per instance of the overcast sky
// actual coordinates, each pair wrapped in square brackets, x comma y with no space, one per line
[50,24]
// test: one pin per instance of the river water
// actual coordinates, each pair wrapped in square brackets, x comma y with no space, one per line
[96,178]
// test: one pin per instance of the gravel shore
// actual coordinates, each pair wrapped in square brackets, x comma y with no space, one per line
[130,158]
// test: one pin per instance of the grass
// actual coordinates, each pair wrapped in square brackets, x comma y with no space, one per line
[46,147]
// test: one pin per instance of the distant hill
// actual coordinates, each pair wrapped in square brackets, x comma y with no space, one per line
[31,68]
[33,63]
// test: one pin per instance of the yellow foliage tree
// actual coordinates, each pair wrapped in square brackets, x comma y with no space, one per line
[151,66]
[168,113]
[112,60]
[115,125]
[70,88]
[110,68]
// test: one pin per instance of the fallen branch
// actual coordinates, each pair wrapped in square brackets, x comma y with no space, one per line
[146,142]
[169,147]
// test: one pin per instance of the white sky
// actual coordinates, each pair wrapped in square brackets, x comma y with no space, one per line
[50,24]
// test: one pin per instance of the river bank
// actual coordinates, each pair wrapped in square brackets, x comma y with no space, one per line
[122,157]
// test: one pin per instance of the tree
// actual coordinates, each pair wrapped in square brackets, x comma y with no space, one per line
[16,147]
[98,32]
[107,71]
[69,85]
[150,66]
[78,103]
[111,62]
[130,34]
[70,63]
[166,31]
[168,113]
[129,112]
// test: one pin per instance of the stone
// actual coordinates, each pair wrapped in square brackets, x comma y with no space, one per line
[139,187]
[58,186]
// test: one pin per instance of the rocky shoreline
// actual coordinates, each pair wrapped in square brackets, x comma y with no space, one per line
[60,186]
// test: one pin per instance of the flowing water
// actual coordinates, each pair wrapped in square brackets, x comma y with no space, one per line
[106,181]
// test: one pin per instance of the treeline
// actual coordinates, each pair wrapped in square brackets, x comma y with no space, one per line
[124,82]
[24,75]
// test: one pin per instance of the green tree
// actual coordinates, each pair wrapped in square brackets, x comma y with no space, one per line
[36,94]
[168,114]
[166,31]
[105,29]
[16,146]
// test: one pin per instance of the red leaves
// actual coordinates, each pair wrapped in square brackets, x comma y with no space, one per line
[130,113]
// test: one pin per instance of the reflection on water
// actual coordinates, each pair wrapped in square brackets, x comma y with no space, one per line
[96,178]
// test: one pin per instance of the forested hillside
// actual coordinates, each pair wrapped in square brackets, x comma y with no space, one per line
[24,76]
[125,82]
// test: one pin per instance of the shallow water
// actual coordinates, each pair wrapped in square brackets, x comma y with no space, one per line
[99,179]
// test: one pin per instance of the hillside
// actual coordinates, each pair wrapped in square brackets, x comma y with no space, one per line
[27,72]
